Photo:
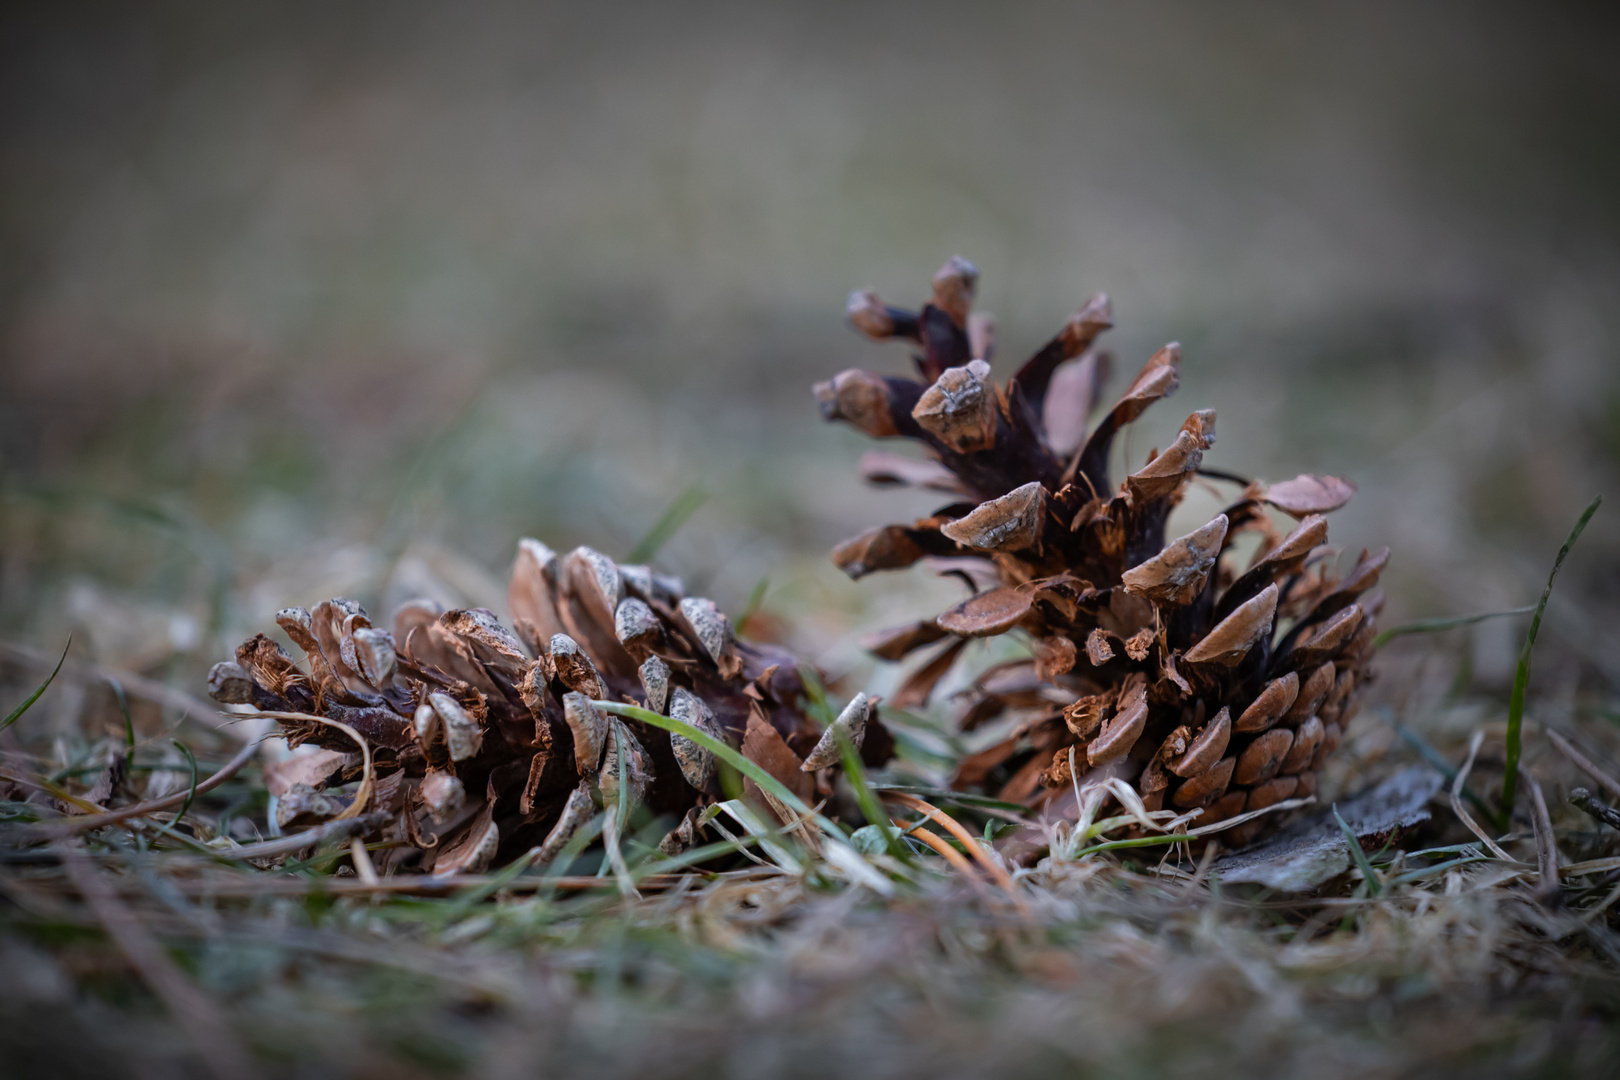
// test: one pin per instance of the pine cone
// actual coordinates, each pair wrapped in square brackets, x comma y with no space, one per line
[486,741]
[1160,663]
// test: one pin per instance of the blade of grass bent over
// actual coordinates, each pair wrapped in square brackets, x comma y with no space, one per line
[191,791]
[1352,843]
[1446,622]
[730,756]
[16,714]
[1521,677]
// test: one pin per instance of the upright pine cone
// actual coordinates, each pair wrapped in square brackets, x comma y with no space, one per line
[1160,663]
[485,741]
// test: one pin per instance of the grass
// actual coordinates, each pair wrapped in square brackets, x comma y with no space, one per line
[1127,959]
[1521,674]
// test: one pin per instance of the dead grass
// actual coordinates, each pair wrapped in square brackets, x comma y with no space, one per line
[1113,964]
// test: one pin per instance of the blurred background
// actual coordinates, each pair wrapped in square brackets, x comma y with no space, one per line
[300,300]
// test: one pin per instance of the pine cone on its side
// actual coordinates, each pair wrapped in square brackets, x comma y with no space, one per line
[1155,660]
[485,740]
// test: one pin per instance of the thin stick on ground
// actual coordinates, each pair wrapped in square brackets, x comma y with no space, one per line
[1584,763]
[95,821]
[1584,799]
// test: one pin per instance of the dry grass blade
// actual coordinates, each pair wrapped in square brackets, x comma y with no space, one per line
[958,861]
[191,1009]
[1240,819]
[1546,847]
[1456,800]
[997,872]
[368,777]
[362,861]
[1584,763]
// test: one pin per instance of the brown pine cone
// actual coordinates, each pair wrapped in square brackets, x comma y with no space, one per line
[485,740]
[1152,660]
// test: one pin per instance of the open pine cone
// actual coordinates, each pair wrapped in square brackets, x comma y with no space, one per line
[1202,684]
[485,742]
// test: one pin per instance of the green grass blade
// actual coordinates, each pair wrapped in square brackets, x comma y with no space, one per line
[1439,868]
[582,839]
[466,899]
[16,714]
[1141,841]
[1447,622]
[820,709]
[669,522]
[621,807]
[123,708]
[756,600]
[733,758]
[778,845]
[871,808]
[1521,677]
[666,863]
[191,759]
[1353,844]
[1440,764]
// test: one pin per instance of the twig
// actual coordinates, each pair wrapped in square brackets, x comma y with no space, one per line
[255,884]
[1546,849]
[1608,815]
[71,826]
[336,829]
[191,1008]
[1584,763]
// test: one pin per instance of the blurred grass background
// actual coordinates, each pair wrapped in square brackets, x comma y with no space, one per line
[305,299]
[299,300]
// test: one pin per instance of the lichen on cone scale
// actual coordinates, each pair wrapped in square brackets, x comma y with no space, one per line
[1154,658]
